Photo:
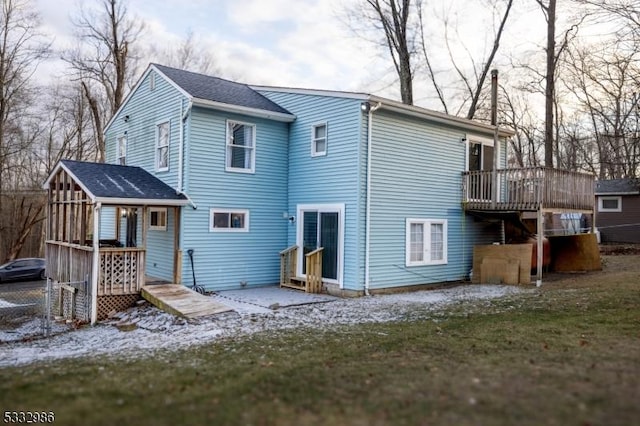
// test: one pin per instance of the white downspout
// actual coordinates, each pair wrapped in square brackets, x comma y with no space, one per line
[180,147]
[183,117]
[367,232]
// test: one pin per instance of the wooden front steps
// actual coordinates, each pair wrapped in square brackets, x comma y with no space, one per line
[312,282]
[182,301]
[296,283]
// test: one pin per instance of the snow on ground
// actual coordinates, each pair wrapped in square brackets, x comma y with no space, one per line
[144,329]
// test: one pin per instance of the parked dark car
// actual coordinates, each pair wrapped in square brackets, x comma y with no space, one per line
[23,269]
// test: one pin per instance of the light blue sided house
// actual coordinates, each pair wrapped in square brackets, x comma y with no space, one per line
[271,174]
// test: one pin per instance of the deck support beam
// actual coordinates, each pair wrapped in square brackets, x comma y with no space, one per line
[540,246]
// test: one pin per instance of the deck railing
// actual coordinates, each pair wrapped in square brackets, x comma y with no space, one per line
[314,270]
[527,189]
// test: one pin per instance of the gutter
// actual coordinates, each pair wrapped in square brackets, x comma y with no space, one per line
[439,117]
[238,109]
[367,232]
[183,118]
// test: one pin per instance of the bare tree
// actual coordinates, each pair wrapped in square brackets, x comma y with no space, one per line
[191,54]
[625,12]
[405,25]
[472,80]
[392,17]
[527,142]
[102,62]
[549,10]
[605,82]
[22,48]
[67,126]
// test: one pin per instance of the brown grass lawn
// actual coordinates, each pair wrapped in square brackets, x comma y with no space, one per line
[567,354]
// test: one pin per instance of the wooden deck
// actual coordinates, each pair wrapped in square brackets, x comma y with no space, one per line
[182,301]
[528,189]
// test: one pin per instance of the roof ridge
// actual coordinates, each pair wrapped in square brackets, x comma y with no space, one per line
[199,74]
[220,90]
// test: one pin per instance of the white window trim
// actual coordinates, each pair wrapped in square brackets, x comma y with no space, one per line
[230,211]
[426,243]
[315,153]
[606,210]
[323,208]
[227,146]
[120,155]
[152,81]
[162,227]
[158,124]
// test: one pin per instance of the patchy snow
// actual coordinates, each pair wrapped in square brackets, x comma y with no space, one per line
[143,329]
[115,182]
[132,185]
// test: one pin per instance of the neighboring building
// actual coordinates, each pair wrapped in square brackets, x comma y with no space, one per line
[618,210]
[385,188]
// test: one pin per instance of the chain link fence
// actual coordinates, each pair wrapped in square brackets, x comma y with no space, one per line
[31,309]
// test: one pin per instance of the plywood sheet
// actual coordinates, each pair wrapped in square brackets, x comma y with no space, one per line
[514,254]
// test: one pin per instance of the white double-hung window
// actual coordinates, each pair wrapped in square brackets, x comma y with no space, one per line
[162,146]
[241,147]
[121,153]
[426,242]
[319,140]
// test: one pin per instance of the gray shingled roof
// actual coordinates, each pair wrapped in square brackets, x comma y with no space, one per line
[215,89]
[618,186]
[113,181]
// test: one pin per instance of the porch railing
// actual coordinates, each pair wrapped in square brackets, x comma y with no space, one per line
[121,270]
[527,189]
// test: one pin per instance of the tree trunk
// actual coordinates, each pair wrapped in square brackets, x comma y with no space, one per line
[550,83]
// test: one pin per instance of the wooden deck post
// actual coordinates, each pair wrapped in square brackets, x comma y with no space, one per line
[177,253]
[96,263]
[540,246]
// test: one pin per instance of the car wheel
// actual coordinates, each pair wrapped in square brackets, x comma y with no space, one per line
[43,275]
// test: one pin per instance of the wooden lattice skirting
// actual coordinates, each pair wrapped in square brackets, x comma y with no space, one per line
[108,304]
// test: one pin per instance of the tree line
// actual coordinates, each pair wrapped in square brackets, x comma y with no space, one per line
[573,103]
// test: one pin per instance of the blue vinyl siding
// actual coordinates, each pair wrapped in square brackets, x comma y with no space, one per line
[159,262]
[224,260]
[146,108]
[330,179]
[416,173]
[107,223]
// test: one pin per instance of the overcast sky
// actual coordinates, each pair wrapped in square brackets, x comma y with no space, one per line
[300,43]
